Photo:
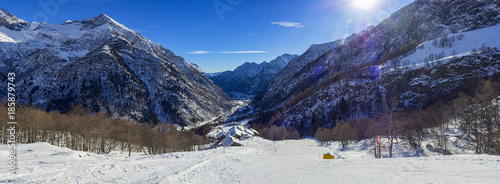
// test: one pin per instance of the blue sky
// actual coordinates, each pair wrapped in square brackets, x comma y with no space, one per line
[220,35]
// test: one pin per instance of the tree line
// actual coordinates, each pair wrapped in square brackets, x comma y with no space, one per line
[98,132]
[478,118]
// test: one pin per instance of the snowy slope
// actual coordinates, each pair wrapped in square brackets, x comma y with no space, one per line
[210,75]
[471,40]
[260,161]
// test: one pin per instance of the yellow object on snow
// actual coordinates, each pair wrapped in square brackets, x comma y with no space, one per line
[328,156]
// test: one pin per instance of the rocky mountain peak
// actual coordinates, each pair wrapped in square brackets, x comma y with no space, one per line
[288,57]
[282,60]
[100,20]
[10,21]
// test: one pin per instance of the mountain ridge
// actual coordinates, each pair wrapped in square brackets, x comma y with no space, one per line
[250,78]
[102,65]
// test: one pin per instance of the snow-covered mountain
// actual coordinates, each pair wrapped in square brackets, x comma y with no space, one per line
[397,59]
[210,75]
[195,66]
[271,93]
[250,79]
[101,64]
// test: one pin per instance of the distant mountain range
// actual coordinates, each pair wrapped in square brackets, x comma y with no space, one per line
[210,75]
[100,64]
[250,79]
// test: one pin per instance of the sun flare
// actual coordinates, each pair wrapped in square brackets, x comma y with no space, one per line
[364,4]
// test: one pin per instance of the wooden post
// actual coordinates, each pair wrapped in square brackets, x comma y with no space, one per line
[378,142]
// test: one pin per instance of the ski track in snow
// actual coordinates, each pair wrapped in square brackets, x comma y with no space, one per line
[260,161]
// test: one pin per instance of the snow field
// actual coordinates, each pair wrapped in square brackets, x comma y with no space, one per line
[260,161]
[490,36]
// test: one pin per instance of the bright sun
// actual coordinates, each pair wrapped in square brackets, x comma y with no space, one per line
[365,4]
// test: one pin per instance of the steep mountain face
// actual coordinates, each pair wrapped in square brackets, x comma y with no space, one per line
[105,66]
[274,90]
[10,21]
[251,78]
[395,61]
[195,66]
[270,70]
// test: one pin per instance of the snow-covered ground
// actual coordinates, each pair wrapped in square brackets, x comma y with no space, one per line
[236,104]
[230,133]
[489,36]
[260,161]
[226,127]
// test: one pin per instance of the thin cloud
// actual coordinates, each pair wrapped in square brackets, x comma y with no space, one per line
[288,24]
[230,52]
[200,52]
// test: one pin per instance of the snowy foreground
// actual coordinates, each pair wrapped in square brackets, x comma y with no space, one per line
[260,161]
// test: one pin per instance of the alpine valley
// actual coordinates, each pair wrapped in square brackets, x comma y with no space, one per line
[422,86]
[427,51]
[250,79]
